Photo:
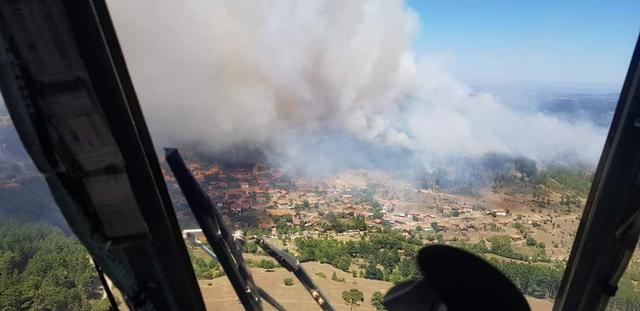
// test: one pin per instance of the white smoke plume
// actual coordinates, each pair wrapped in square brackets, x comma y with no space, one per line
[304,80]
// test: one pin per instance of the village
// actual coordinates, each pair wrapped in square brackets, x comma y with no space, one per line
[258,197]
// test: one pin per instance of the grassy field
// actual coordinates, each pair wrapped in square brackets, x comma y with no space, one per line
[539,304]
[219,295]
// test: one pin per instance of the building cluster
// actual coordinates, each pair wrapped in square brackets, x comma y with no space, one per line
[260,195]
[268,193]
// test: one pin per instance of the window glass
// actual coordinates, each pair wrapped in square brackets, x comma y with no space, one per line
[351,134]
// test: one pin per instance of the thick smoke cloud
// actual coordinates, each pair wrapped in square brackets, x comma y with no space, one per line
[314,83]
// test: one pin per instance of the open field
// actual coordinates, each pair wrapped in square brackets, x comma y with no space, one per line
[219,295]
[539,304]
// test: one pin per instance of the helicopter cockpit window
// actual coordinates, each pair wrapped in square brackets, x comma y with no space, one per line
[348,135]
[351,134]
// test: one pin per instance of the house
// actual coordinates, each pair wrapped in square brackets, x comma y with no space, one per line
[498,213]
[244,185]
[446,210]
[346,198]
[260,199]
[283,203]
[263,182]
[236,207]
[280,212]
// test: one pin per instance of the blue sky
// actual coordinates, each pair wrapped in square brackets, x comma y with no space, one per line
[583,44]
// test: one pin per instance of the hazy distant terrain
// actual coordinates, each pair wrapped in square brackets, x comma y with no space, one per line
[595,108]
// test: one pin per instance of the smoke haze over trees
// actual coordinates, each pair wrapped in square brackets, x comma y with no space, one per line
[316,85]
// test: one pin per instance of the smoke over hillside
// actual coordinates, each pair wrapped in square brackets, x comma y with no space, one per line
[319,85]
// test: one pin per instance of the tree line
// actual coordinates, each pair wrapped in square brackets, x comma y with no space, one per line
[384,255]
[541,278]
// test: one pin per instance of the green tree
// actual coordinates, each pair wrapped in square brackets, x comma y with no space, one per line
[500,244]
[434,226]
[328,251]
[282,226]
[372,272]
[267,264]
[359,224]
[334,277]
[250,247]
[408,269]
[212,264]
[200,262]
[377,213]
[388,258]
[353,297]
[331,217]
[376,300]
[101,305]
[288,281]
[305,203]
[208,274]
[41,268]
[342,262]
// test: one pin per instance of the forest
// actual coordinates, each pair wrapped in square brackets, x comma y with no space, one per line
[42,268]
[381,255]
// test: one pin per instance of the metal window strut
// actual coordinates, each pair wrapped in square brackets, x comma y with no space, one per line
[227,246]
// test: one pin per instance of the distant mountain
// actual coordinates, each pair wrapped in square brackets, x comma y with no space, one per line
[596,108]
